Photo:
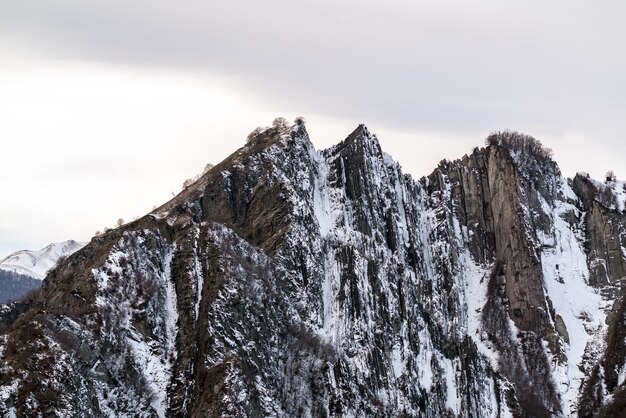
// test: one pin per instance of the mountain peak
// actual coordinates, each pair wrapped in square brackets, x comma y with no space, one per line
[36,264]
[524,149]
[360,133]
[360,143]
[528,157]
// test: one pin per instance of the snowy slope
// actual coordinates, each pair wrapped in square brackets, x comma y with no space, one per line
[37,263]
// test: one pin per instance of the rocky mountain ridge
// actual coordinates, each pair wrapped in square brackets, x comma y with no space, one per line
[288,281]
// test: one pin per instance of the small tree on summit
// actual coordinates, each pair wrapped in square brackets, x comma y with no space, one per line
[254,134]
[280,123]
[517,141]
[190,181]
[610,176]
[187,183]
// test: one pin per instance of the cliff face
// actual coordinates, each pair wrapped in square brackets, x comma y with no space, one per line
[292,282]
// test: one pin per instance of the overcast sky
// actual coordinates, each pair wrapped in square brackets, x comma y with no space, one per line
[106,107]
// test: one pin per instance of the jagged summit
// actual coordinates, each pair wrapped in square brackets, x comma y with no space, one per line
[282,138]
[288,281]
[533,160]
[360,143]
[360,134]
[520,143]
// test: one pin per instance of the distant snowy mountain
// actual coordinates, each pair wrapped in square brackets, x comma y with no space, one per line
[37,263]
[24,270]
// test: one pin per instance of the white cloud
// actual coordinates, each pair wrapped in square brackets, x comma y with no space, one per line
[85,144]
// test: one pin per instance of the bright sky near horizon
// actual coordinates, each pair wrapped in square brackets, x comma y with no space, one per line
[107,107]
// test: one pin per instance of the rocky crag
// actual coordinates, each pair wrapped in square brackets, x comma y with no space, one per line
[293,282]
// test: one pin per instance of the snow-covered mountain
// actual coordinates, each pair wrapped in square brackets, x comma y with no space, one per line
[23,271]
[37,263]
[292,282]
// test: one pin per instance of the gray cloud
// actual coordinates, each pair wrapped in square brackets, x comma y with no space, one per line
[445,66]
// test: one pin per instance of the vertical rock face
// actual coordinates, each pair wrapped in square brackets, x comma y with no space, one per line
[293,282]
[605,224]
